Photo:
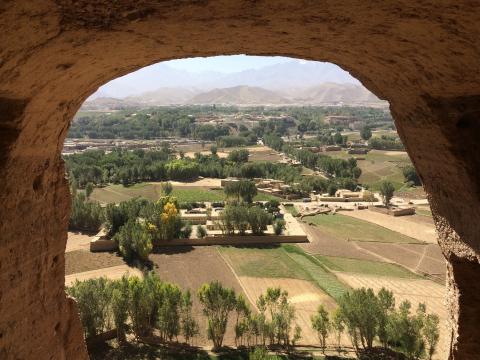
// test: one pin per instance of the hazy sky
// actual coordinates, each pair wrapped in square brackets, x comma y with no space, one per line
[226,64]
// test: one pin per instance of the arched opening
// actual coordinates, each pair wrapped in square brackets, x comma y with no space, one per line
[310,118]
[402,54]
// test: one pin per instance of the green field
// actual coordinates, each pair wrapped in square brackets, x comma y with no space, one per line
[152,191]
[319,274]
[291,209]
[365,267]
[348,228]
[270,262]
[287,261]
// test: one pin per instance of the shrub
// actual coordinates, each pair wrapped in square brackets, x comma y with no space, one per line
[201,232]
[278,227]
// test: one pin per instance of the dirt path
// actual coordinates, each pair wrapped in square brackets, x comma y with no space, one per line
[416,229]
[415,291]
[113,273]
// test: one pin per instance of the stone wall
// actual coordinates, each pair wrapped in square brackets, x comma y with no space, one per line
[421,56]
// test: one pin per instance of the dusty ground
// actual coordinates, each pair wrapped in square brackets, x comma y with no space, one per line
[303,294]
[78,241]
[423,259]
[206,182]
[190,268]
[83,260]
[415,291]
[113,273]
[406,225]
[325,244]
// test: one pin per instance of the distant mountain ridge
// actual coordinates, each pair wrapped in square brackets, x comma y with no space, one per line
[323,94]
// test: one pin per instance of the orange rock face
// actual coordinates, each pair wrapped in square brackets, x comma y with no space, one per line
[421,56]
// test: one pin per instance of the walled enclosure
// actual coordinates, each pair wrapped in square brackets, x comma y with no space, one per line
[422,56]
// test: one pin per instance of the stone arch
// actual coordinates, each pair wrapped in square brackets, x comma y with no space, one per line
[421,56]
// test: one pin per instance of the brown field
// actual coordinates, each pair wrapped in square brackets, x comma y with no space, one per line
[190,268]
[113,273]
[78,241]
[78,261]
[415,291]
[406,225]
[305,296]
[423,259]
[325,244]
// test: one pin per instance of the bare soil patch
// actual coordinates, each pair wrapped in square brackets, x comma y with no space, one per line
[78,261]
[112,273]
[78,241]
[323,243]
[424,259]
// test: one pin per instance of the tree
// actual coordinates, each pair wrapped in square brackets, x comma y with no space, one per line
[238,156]
[217,303]
[189,324]
[410,175]
[321,324]
[365,133]
[134,241]
[201,232]
[338,326]
[213,149]
[167,188]
[93,300]
[360,309]
[386,191]
[88,189]
[278,227]
[85,215]
[431,334]
[120,307]
[242,189]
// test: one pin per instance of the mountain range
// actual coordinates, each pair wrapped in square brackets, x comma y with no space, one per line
[291,82]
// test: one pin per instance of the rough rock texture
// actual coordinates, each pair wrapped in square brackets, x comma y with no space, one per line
[422,56]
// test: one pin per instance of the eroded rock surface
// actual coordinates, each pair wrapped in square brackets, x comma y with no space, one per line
[422,56]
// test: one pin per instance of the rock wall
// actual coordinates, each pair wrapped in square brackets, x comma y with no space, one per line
[421,56]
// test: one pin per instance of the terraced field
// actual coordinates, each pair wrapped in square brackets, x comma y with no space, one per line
[353,229]
[366,267]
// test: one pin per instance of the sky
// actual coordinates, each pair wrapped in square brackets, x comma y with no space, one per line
[226,64]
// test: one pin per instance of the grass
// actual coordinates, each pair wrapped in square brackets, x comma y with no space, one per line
[319,274]
[348,228]
[152,191]
[423,212]
[365,267]
[269,262]
[291,209]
